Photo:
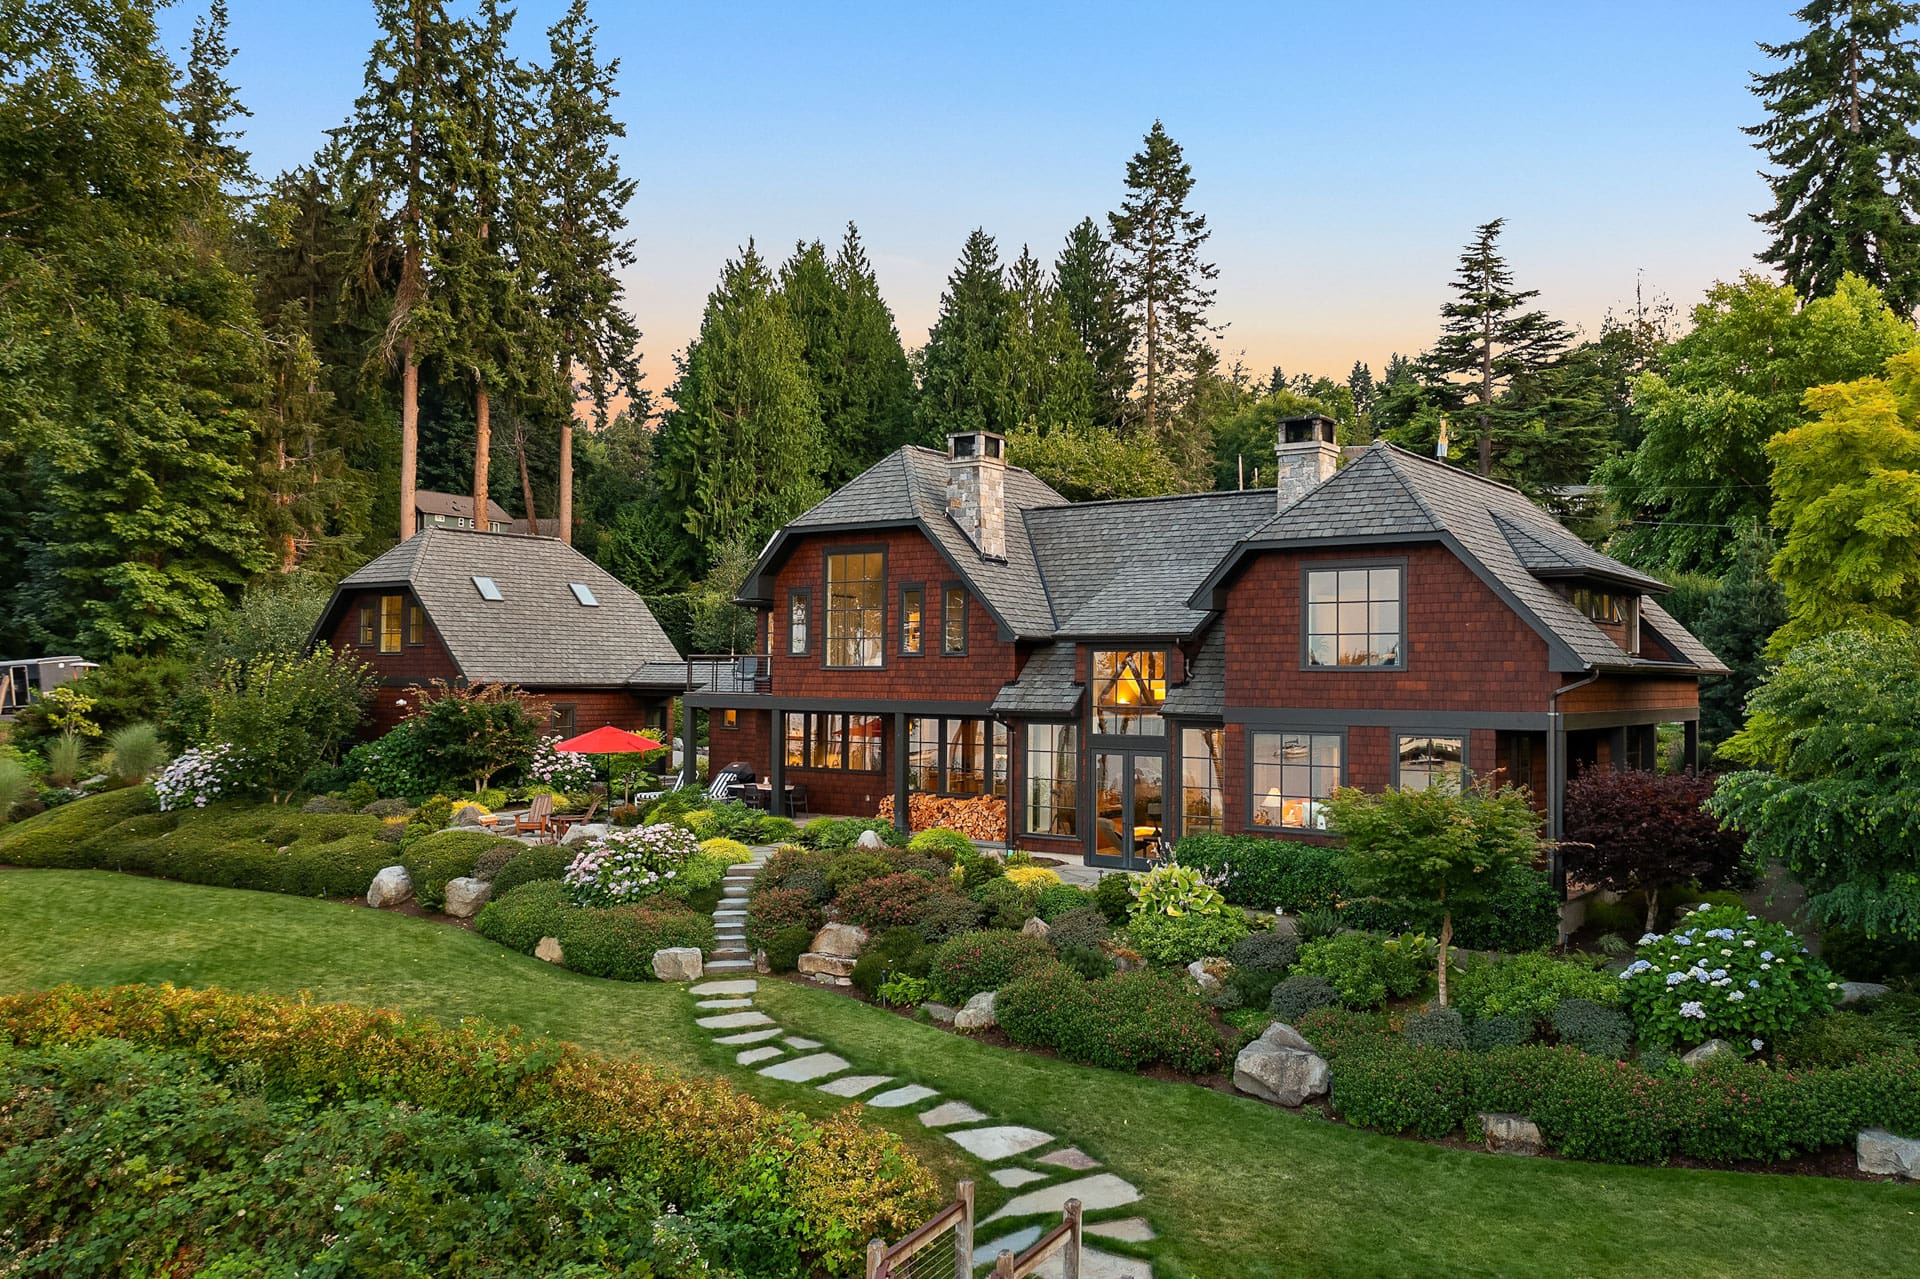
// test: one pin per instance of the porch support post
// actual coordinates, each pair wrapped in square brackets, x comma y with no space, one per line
[690,763]
[902,820]
[777,763]
[1556,801]
[1690,750]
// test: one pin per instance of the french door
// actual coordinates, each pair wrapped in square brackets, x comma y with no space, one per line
[1128,831]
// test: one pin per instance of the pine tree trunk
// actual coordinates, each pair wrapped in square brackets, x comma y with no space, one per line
[526,483]
[1486,400]
[409,436]
[482,443]
[1153,367]
[1653,906]
[563,513]
[1446,940]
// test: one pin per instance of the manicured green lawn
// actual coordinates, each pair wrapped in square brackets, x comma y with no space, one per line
[1235,1188]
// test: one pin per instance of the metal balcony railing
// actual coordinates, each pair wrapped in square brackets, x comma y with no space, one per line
[730,673]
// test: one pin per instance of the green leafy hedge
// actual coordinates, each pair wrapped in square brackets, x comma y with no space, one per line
[447,855]
[617,942]
[1128,1021]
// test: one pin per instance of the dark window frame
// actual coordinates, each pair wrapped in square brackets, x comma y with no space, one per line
[1153,716]
[946,594]
[399,623]
[827,554]
[1025,752]
[1252,796]
[366,631]
[1395,735]
[564,718]
[416,624]
[1219,787]
[1306,615]
[908,588]
[991,725]
[804,595]
[814,730]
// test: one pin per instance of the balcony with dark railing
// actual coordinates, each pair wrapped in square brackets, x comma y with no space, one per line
[735,673]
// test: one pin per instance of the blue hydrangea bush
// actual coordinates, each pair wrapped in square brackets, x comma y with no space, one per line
[1722,973]
[628,864]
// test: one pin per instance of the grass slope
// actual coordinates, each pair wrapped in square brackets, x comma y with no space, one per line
[1238,1190]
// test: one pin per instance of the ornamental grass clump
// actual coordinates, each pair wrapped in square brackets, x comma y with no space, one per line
[628,864]
[1723,973]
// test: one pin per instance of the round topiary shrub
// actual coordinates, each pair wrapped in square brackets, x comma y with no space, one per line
[542,862]
[1113,895]
[891,901]
[964,966]
[1436,1027]
[851,868]
[944,915]
[785,946]
[446,855]
[730,851]
[520,917]
[1084,927]
[1484,1034]
[1299,994]
[1268,950]
[1593,1028]
[772,910]
[948,845]
[492,861]
[1057,899]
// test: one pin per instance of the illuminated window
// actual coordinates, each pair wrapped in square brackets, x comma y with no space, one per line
[1293,776]
[1202,806]
[1002,762]
[863,743]
[923,755]
[1052,781]
[957,757]
[1601,606]
[1426,760]
[416,624]
[392,614]
[368,634]
[798,604]
[838,742]
[953,621]
[913,608]
[730,719]
[1127,691]
[1354,617]
[794,733]
[856,609]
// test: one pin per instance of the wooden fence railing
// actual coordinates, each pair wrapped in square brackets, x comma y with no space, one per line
[956,1219]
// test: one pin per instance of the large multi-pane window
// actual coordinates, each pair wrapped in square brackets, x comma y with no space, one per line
[966,756]
[1001,765]
[392,622]
[923,755]
[856,609]
[913,616]
[1355,617]
[1424,760]
[1052,781]
[1202,806]
[1293,776]
[1127,691]
[956,757]
[1601,606]
[815,740]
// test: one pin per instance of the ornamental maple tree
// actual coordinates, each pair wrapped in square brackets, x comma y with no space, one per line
[1640,831]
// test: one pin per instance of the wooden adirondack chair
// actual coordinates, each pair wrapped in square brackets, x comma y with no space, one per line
[538,819]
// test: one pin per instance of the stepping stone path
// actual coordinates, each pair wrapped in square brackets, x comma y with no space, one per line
[726,999]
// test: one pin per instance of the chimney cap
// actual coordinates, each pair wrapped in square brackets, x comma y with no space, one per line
[1310,428]
[965,446]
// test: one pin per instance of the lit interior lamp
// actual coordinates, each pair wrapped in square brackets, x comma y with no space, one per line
[1270,807]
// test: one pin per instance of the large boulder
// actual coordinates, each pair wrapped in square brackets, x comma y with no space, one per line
[1282,1067]
[677,963]
[837,968]
[1511,1134]
[1879,1152]
[466,895]
[844,940]
[1035,927]
[1852,992]
[978,1013]
[390,887]
[549,950]
[468,815]
[939,1013]
[870,842]
[1707,1052]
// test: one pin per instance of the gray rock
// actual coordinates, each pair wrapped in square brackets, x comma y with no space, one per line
[549,950]
[1707,1052]
[843,940]
[578,836]
[677,963]
[1884,1155]
[466,895]
[1852,992]
[1511,1134]
[815,964]
[800,1070]
[390,887]
[760,964]
[1003,1141]
[1282,1067]
[978,1014]
[941,1014]
[870,842]
[467,815]
[1035,927]
[1207,982]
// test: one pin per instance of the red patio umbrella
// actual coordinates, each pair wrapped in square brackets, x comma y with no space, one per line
[608,741]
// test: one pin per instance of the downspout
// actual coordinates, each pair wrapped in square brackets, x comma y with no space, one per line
[1557,781]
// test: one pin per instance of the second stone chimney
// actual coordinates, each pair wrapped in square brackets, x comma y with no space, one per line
[977,489]
[1307,456]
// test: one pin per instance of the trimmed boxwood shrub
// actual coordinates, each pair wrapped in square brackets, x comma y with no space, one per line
[1593,1028]
[1128,1021]
[1177,940]
[1528,986]
[1300,993]
[539,862]
[1057,899]
[948,845]
[851,868]
[520,917]
[784,946]
[1498,1031]
[964,966]
[1587,1107]
[1267,874]
[769,910]
[1082,927]
[619,942]
[446,855]
[1397,1089]
[891,901]
[945,915]
[1436,1028]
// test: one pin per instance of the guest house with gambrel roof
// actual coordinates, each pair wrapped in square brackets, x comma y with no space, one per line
[1128,672]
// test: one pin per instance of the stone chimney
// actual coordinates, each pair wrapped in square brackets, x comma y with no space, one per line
[1307,455]
[977,489]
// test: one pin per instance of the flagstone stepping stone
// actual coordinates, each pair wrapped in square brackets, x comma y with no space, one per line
[1017,1242]
[801,1069]
[1070,1157]
[854,1085]
[724,1003]
[950,1113]
[752,1055]
[1002,1141]
[750,1036]
[801,1045]
[1094,1264]
[733,1021]
[730,965]
[903,1096]
[1011,1177]
[1097,1193]
[1127,1229]
[738,986]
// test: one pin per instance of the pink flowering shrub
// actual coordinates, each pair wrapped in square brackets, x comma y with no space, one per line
[628,864]
[563,771]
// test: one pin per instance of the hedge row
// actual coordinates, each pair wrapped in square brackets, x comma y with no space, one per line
[1128,1021]
[1592,1107]
[616,942]
[818,1189]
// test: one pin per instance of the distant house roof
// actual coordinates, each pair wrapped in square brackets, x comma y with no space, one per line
[546,527]
[540,633]
[456,506]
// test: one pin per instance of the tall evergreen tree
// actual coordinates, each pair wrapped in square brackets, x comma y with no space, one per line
[1090,285]
[1049,378]
[963,375]
[740,452]
[1158,241]
[1488,338]
[1839,133]
[582,245]
[1360,386]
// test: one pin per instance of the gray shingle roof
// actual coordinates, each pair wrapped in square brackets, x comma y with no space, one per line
[537,634]
[1045,685]
[1204,695]
[456,505]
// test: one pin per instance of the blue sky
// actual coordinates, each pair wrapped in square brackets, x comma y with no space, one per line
[1343,152]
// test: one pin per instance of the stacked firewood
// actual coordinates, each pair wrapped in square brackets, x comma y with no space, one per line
[981,818]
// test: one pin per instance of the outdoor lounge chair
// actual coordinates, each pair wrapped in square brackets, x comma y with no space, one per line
[720,789]
[538,819]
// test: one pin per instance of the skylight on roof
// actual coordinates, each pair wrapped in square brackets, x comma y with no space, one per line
[488,591]
[585,596]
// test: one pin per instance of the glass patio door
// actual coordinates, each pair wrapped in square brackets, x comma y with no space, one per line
[1129,812]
